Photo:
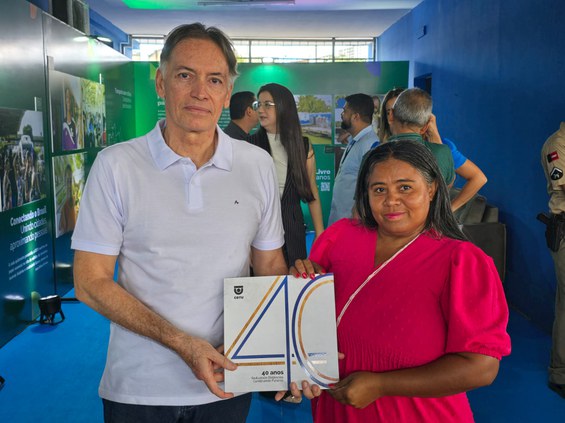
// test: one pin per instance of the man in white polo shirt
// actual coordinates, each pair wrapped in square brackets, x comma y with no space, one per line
[179,209]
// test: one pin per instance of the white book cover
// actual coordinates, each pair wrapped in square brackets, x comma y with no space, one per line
[280,329]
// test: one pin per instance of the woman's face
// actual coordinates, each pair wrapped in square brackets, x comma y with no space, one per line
[400,198]
[267,113]
[388,109]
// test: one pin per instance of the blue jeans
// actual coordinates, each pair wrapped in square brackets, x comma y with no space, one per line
[234,410]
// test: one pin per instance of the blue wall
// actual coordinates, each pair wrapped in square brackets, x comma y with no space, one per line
[99,25]
[498,70]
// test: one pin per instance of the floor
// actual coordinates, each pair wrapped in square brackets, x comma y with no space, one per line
[52,374]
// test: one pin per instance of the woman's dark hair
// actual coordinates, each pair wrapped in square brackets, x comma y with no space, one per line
[440,220]
[384,127]
[290,132]
[199,31]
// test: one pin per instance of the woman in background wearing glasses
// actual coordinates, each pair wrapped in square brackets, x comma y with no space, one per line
[281,136]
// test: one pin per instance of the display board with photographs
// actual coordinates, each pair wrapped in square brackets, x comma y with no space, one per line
[25,245]
[69,176]
[22,158]
[78,112]
[315,114]
[340,133]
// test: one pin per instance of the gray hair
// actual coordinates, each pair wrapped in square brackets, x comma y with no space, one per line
[413,107]
[199,31]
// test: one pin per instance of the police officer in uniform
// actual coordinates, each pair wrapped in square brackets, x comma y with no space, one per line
[553,163]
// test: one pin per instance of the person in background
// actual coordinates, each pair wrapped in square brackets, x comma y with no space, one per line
[179,209]
[376,113]
[421,312]
[553,163]
[70,134]
[356,119]
[409,120]
[473,175]
[280,135]
[243,117]
[386,112]
[465,168]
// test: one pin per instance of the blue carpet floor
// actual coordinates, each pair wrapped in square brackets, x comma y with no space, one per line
[52,375]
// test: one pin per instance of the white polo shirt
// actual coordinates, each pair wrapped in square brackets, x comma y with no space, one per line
[177,232]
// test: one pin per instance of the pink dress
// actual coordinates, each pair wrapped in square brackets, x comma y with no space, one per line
[437,296]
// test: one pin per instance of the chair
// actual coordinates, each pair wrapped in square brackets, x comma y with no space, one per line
[479,221]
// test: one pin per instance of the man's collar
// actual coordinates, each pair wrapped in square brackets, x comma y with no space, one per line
[412,136]
[164,156]
[362,132]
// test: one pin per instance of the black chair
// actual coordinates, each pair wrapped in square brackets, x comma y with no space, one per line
[480,223]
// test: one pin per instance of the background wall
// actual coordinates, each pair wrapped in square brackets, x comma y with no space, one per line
[35,49]
[41,55]
[25,262]
[497,71]
[335,79]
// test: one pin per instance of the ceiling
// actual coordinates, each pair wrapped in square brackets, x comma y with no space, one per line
[257,18]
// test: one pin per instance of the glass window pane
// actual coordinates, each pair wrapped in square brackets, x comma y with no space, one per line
[147,49]
[274,51]
[241,50]
[352,51]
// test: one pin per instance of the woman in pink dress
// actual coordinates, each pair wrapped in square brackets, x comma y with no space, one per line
[421,311]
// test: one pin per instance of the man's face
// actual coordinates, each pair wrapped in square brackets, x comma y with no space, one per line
[346,115]
[196,86]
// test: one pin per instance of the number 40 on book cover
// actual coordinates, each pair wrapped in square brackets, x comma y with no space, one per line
[279,329]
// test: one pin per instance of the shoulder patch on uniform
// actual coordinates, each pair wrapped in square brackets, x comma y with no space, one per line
[556,174]
[552,156]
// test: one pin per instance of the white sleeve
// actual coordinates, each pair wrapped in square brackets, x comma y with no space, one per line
[100,222]
[270,235]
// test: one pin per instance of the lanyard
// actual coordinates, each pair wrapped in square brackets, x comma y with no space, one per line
[347,150]
[382,266]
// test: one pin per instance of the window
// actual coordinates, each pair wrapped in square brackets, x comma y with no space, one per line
[147,49]
[276,51]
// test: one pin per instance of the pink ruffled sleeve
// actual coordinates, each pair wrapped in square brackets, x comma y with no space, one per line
[475,305]
[322,248]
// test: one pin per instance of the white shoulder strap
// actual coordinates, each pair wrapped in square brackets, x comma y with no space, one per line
[382,266]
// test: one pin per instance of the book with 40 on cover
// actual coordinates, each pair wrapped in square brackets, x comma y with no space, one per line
[278,330]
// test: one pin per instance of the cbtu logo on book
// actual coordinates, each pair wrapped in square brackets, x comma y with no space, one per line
[238,291]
